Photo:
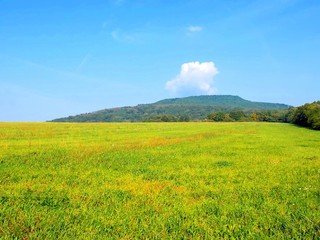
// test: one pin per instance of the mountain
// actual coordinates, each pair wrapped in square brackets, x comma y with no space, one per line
[195,107]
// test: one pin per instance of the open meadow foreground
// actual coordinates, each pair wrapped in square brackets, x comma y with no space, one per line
[159,181]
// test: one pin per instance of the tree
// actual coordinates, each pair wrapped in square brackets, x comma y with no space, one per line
[254,116]
[184,119]
[216,116]
[237,115]
[313,114]
[307,115]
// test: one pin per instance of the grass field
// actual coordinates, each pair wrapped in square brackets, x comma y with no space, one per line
[159,181]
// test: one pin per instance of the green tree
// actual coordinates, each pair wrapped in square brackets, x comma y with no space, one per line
[216,116]
[307,115]
[237,115]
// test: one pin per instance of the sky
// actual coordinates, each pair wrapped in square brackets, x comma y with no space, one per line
[61,58]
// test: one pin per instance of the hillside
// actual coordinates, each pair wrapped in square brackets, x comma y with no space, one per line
[195,107]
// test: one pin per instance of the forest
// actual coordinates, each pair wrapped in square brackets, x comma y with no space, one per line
[307,115]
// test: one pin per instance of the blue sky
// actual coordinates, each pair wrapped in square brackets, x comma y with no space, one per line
[61,58]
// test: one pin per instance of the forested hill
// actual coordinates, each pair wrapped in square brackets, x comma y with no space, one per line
[193,108]
[224,101]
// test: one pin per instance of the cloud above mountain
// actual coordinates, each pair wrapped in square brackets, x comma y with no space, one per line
[194,78]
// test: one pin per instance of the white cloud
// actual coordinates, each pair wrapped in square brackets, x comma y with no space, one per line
[194,78]
[194,29]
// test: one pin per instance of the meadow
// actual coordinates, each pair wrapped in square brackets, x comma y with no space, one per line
[159,181]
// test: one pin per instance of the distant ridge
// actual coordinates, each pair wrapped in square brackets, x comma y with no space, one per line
[223,101]
[195,107]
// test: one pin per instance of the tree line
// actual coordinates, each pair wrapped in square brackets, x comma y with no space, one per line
[256,116]
[220,116]
[307,115]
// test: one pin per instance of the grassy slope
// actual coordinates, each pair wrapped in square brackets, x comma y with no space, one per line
[192,180]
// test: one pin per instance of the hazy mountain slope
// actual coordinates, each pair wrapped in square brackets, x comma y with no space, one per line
[196,107]
[227,101]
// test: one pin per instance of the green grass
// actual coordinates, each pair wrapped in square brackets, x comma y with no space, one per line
[159,181]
